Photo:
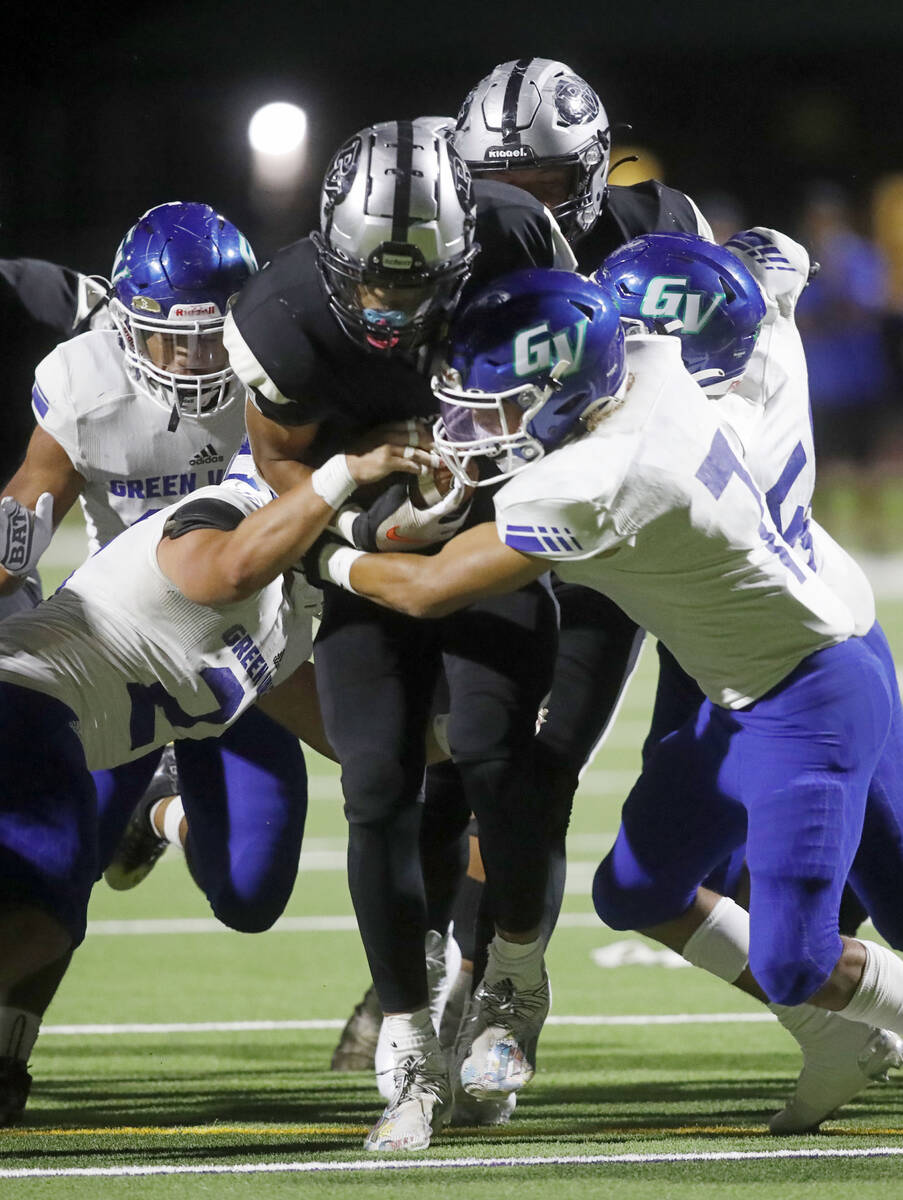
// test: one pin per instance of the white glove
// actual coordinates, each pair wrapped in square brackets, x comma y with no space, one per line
[394,522]
[24,535]
[780,266]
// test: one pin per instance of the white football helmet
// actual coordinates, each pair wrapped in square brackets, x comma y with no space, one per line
[395,246]
[535,112]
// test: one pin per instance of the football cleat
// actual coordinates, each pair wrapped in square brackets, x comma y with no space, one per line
[443,958]
[15,1084]
[497,1044]
[141,847]
[420,1105]
[357,1045]
[493,1110]
[835,1070]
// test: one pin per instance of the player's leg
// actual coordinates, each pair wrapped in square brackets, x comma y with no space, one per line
[48,863]
[245,799]
[498,660]
[376,673]
[598,648]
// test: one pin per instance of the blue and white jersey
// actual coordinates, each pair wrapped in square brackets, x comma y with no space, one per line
[771,414]
[656,509]
[141,665]
[117,437]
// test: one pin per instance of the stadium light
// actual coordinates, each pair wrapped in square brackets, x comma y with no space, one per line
[277,129]
[277,137]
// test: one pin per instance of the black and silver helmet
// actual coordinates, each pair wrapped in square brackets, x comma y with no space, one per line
[535,112]
[395,246]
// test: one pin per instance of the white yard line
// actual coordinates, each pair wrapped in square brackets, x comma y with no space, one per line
[434,1164]
[167,926]
[742,1018]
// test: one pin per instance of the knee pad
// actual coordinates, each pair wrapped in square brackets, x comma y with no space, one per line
[376,787]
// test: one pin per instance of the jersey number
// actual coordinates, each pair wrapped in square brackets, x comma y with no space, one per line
[146,699]
[719,465]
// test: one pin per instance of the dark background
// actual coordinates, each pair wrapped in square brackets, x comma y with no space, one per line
[109,111]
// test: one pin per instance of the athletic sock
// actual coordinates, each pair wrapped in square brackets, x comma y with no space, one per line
[410,1033]
[721,943]
[521,962]
[878,1000]
[173,815]
[18,1033]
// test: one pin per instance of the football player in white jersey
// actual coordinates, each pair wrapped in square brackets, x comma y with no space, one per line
[687,285]
[172,631]
[655,507]
[130,418]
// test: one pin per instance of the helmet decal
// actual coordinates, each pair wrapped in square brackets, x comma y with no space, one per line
[575,101]
[342,170]
[538,349]
[667,295]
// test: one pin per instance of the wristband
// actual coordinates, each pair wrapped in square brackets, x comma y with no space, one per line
[333,482]
[335,565]
[343,522]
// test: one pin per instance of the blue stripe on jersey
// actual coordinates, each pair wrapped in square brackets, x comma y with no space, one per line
[540,539]
[777,493]
[40,401]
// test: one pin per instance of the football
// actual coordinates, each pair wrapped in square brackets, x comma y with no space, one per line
[428,488]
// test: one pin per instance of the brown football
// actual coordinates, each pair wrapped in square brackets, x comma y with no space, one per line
[430,487]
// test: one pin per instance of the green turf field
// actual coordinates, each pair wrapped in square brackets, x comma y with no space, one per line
[157,1071]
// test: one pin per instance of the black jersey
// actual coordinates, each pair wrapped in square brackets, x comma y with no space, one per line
[647,207]
[286,345]
[38,308]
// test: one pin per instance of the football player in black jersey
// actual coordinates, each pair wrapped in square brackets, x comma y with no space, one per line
[336,334]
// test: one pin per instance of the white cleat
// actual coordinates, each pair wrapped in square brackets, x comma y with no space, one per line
[497,1044]
[494,1110]
[835,1069]
[420,1106]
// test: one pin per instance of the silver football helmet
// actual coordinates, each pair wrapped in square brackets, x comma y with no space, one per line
[395,246]
[537,113]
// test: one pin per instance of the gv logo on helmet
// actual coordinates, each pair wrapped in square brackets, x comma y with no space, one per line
[537,348]
[667,293]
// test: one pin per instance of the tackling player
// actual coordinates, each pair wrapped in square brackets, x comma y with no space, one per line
[654,505]
[130,418]
[172,631]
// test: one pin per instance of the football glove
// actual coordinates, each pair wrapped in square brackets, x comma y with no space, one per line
[780,266]
[394,522]
[24,535]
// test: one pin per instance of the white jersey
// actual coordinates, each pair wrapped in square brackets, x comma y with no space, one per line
[771,414]
[117,437]
[141,665]
[656,509]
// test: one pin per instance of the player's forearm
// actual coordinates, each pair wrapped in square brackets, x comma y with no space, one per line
[471,566]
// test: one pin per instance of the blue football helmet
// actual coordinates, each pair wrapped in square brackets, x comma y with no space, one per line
[684,284]
[530,358]
[176,273]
